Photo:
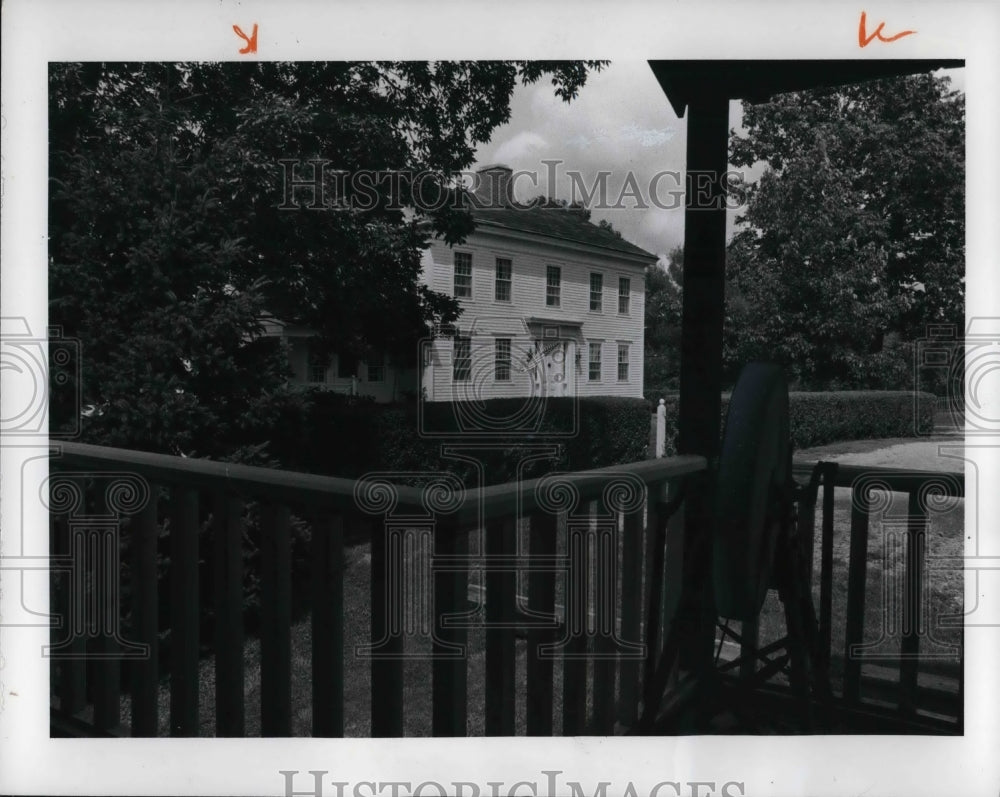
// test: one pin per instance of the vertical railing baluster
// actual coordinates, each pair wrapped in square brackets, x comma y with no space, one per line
[913,620]
[145,617]
[500,644]
[749,644]
[576,623]
[387,657]
[628,700]
[656,537]
[184,606]
[275,621]
[228,597]
[450,668]
[605,563]
[107,589]
[72,666]
[328,627]
[856,584]
[826,566]
[541,600]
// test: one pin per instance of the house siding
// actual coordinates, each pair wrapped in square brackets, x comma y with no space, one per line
[564,358]
[529,259]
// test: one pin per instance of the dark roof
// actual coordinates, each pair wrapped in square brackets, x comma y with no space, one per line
[556,222]
[758,81]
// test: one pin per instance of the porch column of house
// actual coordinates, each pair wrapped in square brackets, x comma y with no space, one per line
[701,361]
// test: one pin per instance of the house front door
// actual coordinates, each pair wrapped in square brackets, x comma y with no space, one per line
[554,367]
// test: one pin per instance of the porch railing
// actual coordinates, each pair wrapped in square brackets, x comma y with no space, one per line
[892,691]
[617,511]
[196,492]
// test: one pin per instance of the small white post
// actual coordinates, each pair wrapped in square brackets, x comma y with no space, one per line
[661,428]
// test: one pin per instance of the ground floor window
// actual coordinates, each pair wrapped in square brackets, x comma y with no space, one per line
[376,368]
[462,360]
[318,363]
[623,362]
[594,370]
[501,371]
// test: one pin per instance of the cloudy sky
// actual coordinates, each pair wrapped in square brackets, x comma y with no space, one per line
[621,123]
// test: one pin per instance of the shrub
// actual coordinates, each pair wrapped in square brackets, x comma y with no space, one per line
[828,417]
[352,440]
[819,418]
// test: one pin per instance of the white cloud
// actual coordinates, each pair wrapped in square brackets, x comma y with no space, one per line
[519,147]
[646,136]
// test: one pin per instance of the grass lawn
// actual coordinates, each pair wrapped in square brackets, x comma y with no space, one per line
[886,557]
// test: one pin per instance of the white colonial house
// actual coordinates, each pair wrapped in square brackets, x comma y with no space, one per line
[552,304]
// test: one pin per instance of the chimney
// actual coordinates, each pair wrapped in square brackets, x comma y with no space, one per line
[493,186]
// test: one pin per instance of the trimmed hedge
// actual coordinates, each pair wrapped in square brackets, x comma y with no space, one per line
[829,417]
[820,418]
[326,436]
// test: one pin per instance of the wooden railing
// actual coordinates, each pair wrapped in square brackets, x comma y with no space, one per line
[563,519]
[896,699]
[146,491]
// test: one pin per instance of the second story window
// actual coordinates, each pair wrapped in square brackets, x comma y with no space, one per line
[596,292]
[376,368]
[462,361]
[501,371]
[463,275]
[503,280]
[624,286]
[553,280]
[594,370]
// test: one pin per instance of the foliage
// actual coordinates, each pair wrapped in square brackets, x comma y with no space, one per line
[662,335]
[171,237]
[853,237]
[818,418]
[349,441]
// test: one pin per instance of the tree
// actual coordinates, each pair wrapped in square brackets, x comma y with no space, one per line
[662,336]
[171,233]
[853,237]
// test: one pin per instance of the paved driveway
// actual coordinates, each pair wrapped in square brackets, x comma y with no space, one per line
[941,452]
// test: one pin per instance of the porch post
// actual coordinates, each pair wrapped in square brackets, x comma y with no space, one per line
[701,359]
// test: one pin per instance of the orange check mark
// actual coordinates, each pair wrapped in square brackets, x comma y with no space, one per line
[251,40]
[864,39]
